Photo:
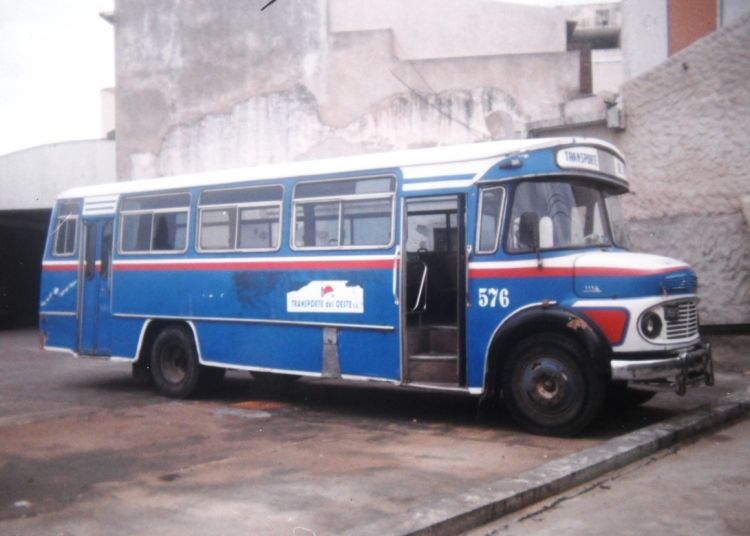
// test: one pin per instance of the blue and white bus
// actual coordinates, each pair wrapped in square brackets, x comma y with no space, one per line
[493,268]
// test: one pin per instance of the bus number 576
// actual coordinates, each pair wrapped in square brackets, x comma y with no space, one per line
[492,297]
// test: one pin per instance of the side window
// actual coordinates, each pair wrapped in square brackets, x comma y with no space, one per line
[240,219]
[316,225]
[491,204]
[259,228]
[344,214]
[217,228]
[154,223]
[66,230]
[367,223]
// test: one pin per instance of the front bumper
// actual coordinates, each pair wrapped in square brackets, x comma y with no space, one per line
[689,368]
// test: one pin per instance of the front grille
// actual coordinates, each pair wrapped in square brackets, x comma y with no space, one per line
[685,326]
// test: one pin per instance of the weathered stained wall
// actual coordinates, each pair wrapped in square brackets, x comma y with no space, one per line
[687,142]
[218,85]
[179,60]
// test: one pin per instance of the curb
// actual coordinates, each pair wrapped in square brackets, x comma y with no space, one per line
[460,513]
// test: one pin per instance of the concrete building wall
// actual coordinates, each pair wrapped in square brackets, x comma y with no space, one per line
[600,15]
[107,96]
[607,70]
[732,10]
[216,86]
[474,28]
[32,178]
[645,35]
[687,142]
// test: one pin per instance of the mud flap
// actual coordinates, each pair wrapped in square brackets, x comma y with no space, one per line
[331,367]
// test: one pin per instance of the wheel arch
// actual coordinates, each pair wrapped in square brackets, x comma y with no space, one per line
[150,331]
[540,318]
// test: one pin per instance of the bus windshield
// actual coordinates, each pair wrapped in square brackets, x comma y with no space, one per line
[566,215]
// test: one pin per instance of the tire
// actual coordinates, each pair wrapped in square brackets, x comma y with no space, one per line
[273,378]
[550,386]
[174,363]
[619,397]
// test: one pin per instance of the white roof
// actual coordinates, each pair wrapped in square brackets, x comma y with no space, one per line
[416,163]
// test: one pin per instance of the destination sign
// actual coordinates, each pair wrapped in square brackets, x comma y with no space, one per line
[591,159]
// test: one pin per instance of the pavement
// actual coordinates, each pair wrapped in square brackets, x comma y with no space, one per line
[694,488]
[466,511]
[85,450]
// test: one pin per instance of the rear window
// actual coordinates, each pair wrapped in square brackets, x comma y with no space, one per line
[66,229]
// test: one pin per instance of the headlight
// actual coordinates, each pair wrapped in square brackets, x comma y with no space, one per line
[651,325]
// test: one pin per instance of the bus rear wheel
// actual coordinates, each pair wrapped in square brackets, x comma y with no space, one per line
[174,363]
[549,386]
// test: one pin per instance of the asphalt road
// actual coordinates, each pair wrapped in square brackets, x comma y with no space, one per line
[86,450]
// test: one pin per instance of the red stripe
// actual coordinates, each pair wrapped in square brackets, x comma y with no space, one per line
[60,267]
[365,264]
[481,273]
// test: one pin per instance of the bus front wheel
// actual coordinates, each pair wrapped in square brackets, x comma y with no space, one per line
[174,362]
[549,386]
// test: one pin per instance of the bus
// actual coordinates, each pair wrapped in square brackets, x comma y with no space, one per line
[499,268]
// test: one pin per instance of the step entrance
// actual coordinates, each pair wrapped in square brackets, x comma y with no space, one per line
[432,355]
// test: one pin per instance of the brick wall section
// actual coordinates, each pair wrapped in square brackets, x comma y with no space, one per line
[689,20]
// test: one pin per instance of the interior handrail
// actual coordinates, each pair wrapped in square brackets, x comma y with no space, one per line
[422,285]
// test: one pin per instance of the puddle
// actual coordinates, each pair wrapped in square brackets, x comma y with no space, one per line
[260,405]
[241,413]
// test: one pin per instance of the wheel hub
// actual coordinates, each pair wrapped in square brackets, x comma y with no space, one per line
[174,365]
[547,383]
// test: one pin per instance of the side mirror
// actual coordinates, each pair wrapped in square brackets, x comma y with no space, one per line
[528,230]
